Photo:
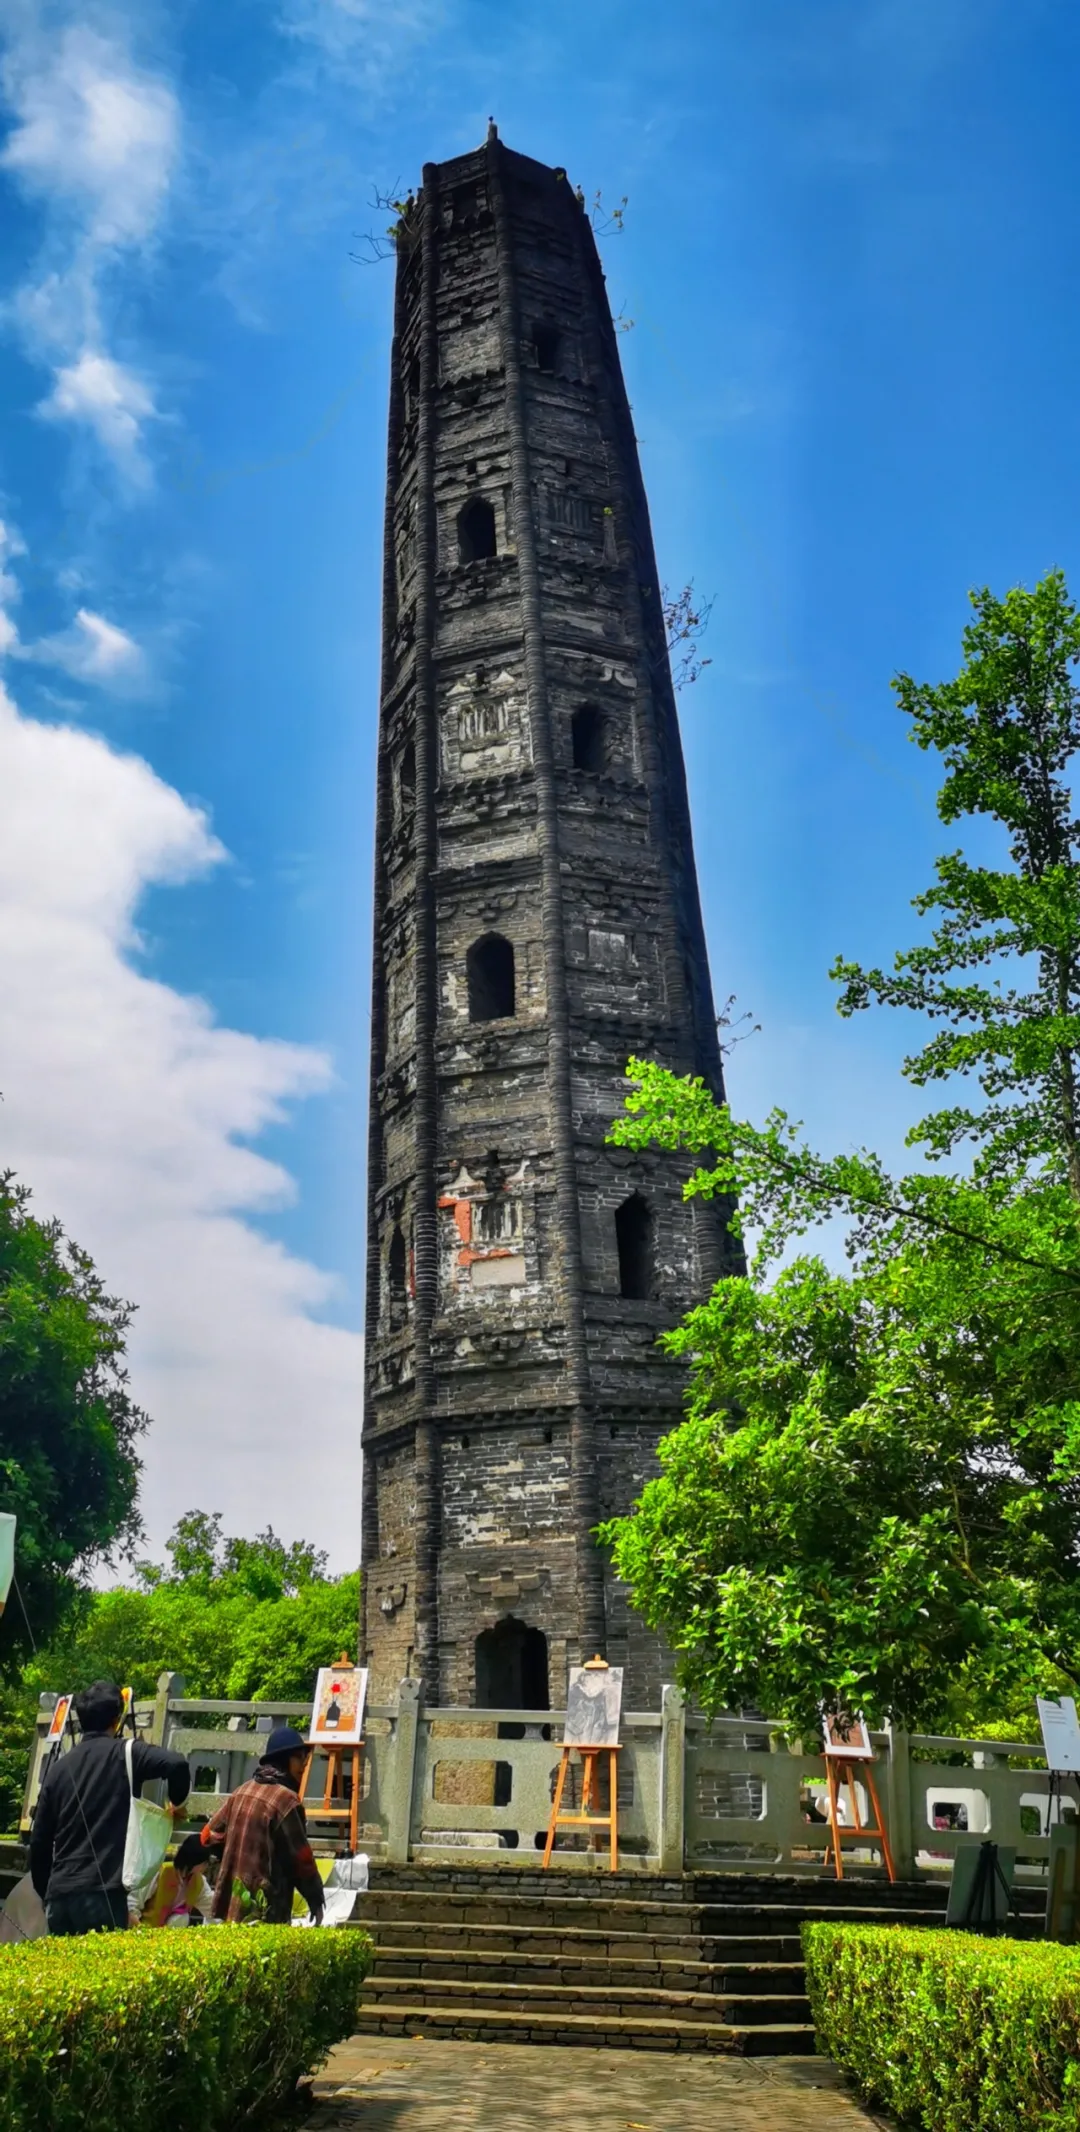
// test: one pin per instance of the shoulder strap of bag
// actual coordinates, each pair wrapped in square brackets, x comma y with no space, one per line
[129,1749]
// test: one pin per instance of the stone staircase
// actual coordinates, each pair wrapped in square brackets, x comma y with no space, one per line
[700,1963]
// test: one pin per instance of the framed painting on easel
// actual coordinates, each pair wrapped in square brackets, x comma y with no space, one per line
[337,1726]
[593,1708]
[59,1719]
[849,1763]
[847,1738]
[337,1713]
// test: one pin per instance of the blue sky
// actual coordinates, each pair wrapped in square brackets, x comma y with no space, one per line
[850,259]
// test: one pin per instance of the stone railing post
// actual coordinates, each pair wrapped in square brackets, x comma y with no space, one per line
[46,1705]
[898,1806]
[401,1776]
[168,1685]
[672,1831]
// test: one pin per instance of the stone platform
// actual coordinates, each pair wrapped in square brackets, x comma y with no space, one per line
[687,1964]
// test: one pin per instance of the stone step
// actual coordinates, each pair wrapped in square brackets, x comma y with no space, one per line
[410,1935]
[826,1893]
[517,1879]
[862,1891]
[478,2024]
[671,1920]
[497,1908]
[735,2009]
[855,1886]
[715,1921]
[468,1965]
[590,1881]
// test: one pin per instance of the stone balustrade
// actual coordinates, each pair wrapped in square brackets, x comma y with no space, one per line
[734,1796]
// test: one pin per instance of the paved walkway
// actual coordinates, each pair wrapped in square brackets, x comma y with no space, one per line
[381,2084]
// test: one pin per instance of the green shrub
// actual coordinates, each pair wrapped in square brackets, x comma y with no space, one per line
[196,2031]
[950,2032]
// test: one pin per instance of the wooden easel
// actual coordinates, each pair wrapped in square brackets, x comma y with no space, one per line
[335,1806]
[840,1772]
[589,1759]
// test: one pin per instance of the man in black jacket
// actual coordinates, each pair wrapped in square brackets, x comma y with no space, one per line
[80,1826]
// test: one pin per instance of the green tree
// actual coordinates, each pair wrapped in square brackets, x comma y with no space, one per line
[68,1425]
[875,1499]
[1008,729]
[241,1618]
[250,1619]
[201,1557]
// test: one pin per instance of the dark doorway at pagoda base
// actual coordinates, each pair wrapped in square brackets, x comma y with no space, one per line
[511,1674]
[512,1669]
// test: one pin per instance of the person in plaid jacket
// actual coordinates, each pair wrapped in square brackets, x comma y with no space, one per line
[259,1833]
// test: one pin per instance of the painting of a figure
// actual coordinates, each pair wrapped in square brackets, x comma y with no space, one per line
[847,1738]
[593,1705]
[59,1717]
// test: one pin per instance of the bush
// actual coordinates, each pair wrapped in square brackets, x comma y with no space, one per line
[950,2032]
[200,2030]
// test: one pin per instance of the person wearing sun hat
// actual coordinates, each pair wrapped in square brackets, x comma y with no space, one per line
[259,1833]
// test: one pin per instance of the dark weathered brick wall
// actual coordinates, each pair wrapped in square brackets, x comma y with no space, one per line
[514,1395]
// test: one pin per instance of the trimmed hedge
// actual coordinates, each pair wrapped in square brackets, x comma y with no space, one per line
[196,2031]
[948,2031]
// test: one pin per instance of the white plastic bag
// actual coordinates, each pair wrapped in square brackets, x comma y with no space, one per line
[23,1914]
[337,1907]
[349,1873]
[149,1834]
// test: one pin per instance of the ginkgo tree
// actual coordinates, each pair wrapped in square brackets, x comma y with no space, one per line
[874,1501]
[1008,729]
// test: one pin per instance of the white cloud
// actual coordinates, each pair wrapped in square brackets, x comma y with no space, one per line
[105,651]
[360,42]
[92,650]
[94,132]
[10,545]
[112,401]
[128,1109]
[95,140]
